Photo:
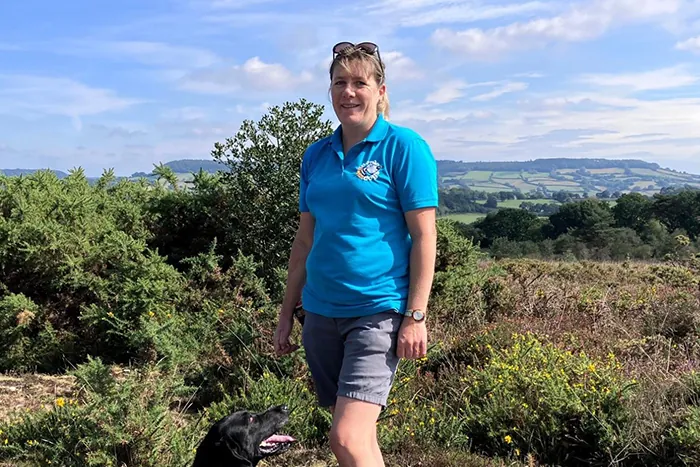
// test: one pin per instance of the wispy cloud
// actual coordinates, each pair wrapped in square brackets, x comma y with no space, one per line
[456,89]
[501,90]
[156,54]
[40,95]
[583,21]
[236,4]
[253,75]
[426,12]
[447,92]
[665,78]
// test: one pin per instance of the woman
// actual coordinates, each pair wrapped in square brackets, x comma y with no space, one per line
[363,257]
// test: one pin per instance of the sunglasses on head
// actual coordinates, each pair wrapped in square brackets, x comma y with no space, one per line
[367,47]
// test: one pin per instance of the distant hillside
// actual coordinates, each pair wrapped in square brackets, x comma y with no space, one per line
[548,176]
[545,165]
[539,178]
[18,172]
[187,166]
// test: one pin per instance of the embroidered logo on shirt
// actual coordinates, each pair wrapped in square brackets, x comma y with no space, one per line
[369,170]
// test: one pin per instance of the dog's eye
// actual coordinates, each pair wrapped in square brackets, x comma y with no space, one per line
[251,419]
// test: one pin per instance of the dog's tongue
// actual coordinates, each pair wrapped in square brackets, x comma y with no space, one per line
[279,439]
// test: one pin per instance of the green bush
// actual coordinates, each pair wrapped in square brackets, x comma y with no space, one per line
[308,423]
[125,423]
[529,396]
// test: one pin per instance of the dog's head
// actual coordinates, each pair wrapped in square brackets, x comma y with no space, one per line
[244,438]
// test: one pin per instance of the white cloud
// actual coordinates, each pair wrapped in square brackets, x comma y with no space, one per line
[665,78]
[501,90]
[455,89]
[583,21]
[608,120]
[253,75]
[400,67]
[447,92]
[57,96]
[690,45]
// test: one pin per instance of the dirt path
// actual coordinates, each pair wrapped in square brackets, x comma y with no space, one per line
[30,391]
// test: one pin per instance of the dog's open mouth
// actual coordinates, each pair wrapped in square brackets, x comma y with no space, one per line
[276,444]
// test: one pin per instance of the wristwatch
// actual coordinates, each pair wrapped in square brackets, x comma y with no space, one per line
[417,315]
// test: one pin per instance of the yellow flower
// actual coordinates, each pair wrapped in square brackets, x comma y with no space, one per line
[508,439]
[151,314]
[60,402]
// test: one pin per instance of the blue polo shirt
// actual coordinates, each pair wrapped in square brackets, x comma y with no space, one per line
[359,262]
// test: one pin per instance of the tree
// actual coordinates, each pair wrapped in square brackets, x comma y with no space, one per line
[491,202]
[513,224]
[166,173]
[264,159]
[585,219]
[679,211]
[632,210]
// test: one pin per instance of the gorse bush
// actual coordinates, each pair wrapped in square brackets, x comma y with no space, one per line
[110,423]
[534,397]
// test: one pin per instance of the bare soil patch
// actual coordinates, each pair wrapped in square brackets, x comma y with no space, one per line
[30,392]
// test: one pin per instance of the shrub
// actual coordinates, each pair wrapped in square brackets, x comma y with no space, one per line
[532,396]
[125,423]
[308,423]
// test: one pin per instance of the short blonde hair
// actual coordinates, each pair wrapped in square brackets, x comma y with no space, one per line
[371,62]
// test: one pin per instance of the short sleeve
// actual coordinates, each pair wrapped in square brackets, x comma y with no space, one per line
[415,176]
[303,183]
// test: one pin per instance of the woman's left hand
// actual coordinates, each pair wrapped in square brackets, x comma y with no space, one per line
[412,339]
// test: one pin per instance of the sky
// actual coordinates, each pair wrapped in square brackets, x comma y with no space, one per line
[129,84]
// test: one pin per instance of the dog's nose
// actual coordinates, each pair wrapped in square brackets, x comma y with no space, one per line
[284,408]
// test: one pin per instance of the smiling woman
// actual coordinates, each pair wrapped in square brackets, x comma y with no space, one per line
[363,258]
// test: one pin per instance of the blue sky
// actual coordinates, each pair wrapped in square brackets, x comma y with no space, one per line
[131,83]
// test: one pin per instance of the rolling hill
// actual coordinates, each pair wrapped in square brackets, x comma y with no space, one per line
[542,177]
[547,176]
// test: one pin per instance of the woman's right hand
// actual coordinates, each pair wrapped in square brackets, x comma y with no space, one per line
[283,345]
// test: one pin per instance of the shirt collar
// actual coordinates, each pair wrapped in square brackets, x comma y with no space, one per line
[376,134]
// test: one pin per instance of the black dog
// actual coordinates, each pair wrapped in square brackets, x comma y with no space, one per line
[244,439]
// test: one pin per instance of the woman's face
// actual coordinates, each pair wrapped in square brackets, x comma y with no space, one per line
[355,95]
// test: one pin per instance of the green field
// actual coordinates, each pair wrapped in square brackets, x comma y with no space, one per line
[477,175]
[511,175]
[612,170]
[515,203]
[467,218]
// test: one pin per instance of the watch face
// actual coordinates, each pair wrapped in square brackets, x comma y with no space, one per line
[418,315]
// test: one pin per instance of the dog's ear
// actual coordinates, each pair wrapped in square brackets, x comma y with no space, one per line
[237,452]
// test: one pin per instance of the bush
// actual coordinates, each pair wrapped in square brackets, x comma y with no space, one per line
[308,423]
[109,424]
[529,396]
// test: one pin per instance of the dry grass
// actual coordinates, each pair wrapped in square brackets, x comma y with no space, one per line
[31,392]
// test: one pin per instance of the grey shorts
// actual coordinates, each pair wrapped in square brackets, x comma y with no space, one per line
[352,357]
